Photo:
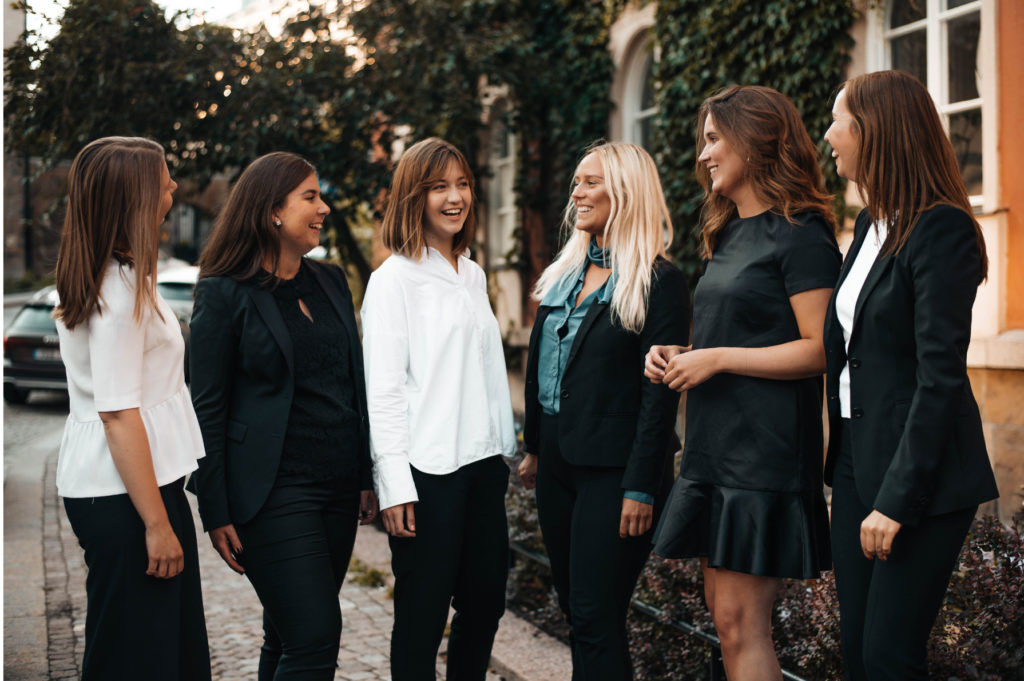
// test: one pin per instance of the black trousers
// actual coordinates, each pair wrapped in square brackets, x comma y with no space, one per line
[295,553]
[594,571]
[459,557]
[137,626]
[887,608]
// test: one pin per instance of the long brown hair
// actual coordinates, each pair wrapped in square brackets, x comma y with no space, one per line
[422,164]
[906,163]
[763,126]
[244,236]
[114,192]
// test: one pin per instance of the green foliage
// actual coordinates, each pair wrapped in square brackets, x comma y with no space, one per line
[798,47]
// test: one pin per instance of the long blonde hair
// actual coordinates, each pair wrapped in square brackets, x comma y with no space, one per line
[638,231]
[114,190]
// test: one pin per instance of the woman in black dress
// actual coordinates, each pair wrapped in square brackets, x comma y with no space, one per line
[906,456]
[748,500]
[277,383]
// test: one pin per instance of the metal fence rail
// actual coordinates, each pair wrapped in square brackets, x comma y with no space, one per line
[716,672]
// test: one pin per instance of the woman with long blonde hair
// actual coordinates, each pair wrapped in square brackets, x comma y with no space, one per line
[132,436]
[599,438]
[748,501]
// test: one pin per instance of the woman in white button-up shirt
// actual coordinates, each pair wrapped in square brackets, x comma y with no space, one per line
[132,436]
[440,419]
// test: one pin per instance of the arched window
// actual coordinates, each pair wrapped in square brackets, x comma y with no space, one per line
[937,41]
[501,199]
[639,108]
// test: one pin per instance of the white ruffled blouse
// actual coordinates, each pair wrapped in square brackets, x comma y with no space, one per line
[114,362]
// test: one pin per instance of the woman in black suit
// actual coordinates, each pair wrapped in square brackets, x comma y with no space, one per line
[277,384]
[600,438]
[906,456]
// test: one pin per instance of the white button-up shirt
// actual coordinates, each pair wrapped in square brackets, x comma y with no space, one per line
[436,384]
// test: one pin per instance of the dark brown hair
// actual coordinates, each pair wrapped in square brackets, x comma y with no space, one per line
[244,236]
[422,164]
[763,126]
[906,163]
[114,192]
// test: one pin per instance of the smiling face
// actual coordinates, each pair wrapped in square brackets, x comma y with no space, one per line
[844,138]
[301,217]
[449,201]
[726,168]
[590,196]
[167,187]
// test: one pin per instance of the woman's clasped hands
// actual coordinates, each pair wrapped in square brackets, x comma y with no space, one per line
[679,366]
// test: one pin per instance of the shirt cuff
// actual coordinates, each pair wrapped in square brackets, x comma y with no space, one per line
[394,483]
[642,497]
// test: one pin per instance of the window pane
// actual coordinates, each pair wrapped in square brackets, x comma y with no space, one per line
[965,134]
[962,34]
[907,11]
[953,4]
[910,54]
[647,133]
[647,94]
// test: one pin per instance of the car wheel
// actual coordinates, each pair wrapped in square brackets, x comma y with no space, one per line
[14,395]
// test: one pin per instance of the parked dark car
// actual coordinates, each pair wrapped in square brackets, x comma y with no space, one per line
[32,358]
[32,350]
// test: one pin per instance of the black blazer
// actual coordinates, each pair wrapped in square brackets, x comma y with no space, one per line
[918,445]
[610,415]
[241,362]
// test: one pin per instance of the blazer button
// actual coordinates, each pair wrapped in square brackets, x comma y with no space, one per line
[564,395]
[858,413]
[833,398]
[855,364]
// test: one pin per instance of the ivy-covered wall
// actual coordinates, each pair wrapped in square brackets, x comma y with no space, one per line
[798,47]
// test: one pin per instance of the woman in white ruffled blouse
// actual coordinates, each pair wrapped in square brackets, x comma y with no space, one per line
[132,436]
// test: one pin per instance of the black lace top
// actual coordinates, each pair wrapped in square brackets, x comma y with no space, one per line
[322,440]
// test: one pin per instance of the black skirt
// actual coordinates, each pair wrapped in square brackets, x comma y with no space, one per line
[769,534]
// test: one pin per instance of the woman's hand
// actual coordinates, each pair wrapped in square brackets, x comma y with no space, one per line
[636,518]
[528,471]
[225,541]
[658,358]
[690,368]
[876,535]
[166,559]
[368,507]
[400,521]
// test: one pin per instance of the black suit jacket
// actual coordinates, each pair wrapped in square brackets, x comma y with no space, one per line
[241,362]
[918,445]
[609,414]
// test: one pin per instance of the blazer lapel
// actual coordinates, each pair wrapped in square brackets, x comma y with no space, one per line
[596,308]
[267,308]
[337,299]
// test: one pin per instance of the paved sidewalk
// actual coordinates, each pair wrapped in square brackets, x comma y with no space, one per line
[521,652]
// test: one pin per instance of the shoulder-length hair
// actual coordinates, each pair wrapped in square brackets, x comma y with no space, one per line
[114,191]
[422,165]
[638,232]
[244,237]
[762,126]
[906,163]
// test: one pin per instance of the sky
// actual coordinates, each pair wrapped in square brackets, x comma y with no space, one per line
[214,10]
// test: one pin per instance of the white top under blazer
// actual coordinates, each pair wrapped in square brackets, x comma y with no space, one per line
[846,300]
[436,385]
[113,363]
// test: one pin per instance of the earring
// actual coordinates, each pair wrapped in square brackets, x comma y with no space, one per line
[277,222]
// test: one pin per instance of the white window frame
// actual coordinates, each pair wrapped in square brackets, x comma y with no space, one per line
[642,54]
[935,24]
[501,196]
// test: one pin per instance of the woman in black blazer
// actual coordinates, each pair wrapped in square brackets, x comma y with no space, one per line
[906,456]
[600,438]
[277,384]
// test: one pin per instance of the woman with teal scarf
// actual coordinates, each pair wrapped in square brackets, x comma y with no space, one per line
[599,436]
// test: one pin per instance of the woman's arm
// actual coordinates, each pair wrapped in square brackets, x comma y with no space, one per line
[787,361]
[213,345]
[129,447]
